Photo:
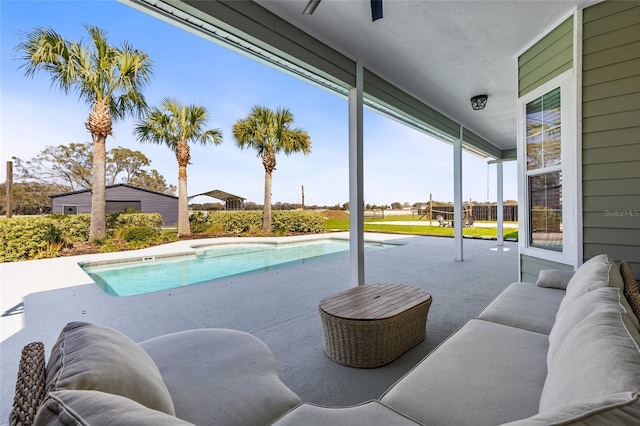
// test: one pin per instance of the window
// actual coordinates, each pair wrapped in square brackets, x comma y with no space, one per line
[548,171]
[544,170]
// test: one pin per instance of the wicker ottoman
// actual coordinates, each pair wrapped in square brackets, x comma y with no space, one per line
[371,325]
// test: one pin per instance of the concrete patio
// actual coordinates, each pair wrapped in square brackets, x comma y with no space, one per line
[279,306]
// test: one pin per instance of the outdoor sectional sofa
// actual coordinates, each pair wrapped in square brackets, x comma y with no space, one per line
[562,351]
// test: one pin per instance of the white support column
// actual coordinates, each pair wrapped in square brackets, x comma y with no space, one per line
[457,196]
[356,179]
[500,218]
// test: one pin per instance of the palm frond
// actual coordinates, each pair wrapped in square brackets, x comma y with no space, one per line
[172,122]
[267,131]
[46,50]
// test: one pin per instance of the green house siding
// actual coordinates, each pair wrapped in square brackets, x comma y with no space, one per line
[611,131]
[548,58]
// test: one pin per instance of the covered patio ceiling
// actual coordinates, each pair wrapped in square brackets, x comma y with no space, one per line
[440,52]
[423,60]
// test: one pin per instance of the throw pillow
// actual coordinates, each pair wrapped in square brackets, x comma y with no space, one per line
[600,356]
[92,357]
[554,278]
[599,271]
[599,300]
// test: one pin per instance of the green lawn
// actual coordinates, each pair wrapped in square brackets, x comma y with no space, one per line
[418,229]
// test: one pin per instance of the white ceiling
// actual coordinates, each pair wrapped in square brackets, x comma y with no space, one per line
[440,52]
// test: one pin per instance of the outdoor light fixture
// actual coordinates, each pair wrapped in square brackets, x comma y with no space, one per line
[311,7]
[479,102]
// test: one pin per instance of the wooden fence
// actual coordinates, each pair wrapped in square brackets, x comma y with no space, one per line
[510,213]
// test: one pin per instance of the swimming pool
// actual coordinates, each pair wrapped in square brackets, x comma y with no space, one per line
[149,274]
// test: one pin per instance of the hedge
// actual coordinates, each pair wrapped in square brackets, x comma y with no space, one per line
[241,222]
[24,238]
[36,237]
[124,220]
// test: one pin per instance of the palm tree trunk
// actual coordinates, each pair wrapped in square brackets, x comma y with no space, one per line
[266,217]
[183,155]
[99,125]
[269,163]
[98,192]
[184,229]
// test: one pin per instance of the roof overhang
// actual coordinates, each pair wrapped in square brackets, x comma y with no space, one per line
[423,61]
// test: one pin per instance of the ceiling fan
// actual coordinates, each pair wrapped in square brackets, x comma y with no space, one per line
[376,8]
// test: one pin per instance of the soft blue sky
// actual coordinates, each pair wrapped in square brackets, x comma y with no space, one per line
[400,164]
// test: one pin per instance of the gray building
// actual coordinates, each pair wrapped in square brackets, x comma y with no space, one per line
[119,198]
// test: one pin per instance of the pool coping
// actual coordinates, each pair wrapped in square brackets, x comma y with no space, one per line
[19,279]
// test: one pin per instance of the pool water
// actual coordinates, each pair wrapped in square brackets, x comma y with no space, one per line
[151,274]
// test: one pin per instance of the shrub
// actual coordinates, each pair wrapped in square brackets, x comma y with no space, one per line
[74,227]
[199,222]
[250,222]
[305,222]
[139,233]
[124,220]
[25,238]
[237,222]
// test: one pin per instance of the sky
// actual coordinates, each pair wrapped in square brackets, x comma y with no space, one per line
[400,164]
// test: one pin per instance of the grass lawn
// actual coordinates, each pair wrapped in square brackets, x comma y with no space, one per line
[342,224]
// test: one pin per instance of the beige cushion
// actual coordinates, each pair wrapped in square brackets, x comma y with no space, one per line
[599,271]
[75,408]
[92,357]
[608,299]
[526,306]
[367,414]
[221,377]
[484,374]
[599,356]
[617,409]
[554,278]
[631,291]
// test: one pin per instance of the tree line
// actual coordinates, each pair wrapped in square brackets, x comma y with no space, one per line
[111,80]
[67,168]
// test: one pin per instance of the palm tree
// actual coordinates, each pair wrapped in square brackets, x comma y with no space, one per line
[175,125]
[109,79]
[270,132]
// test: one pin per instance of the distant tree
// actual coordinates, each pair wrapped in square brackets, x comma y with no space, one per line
[153,181]
[29,197]
[270,133]
[68,168]
[396,205]
[207,206]
[175,125]
[108,78]
[345,206]
[124,160]
[250,205]
[131,163]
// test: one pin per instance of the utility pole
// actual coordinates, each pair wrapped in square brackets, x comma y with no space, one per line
[8,183]
[302,197]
